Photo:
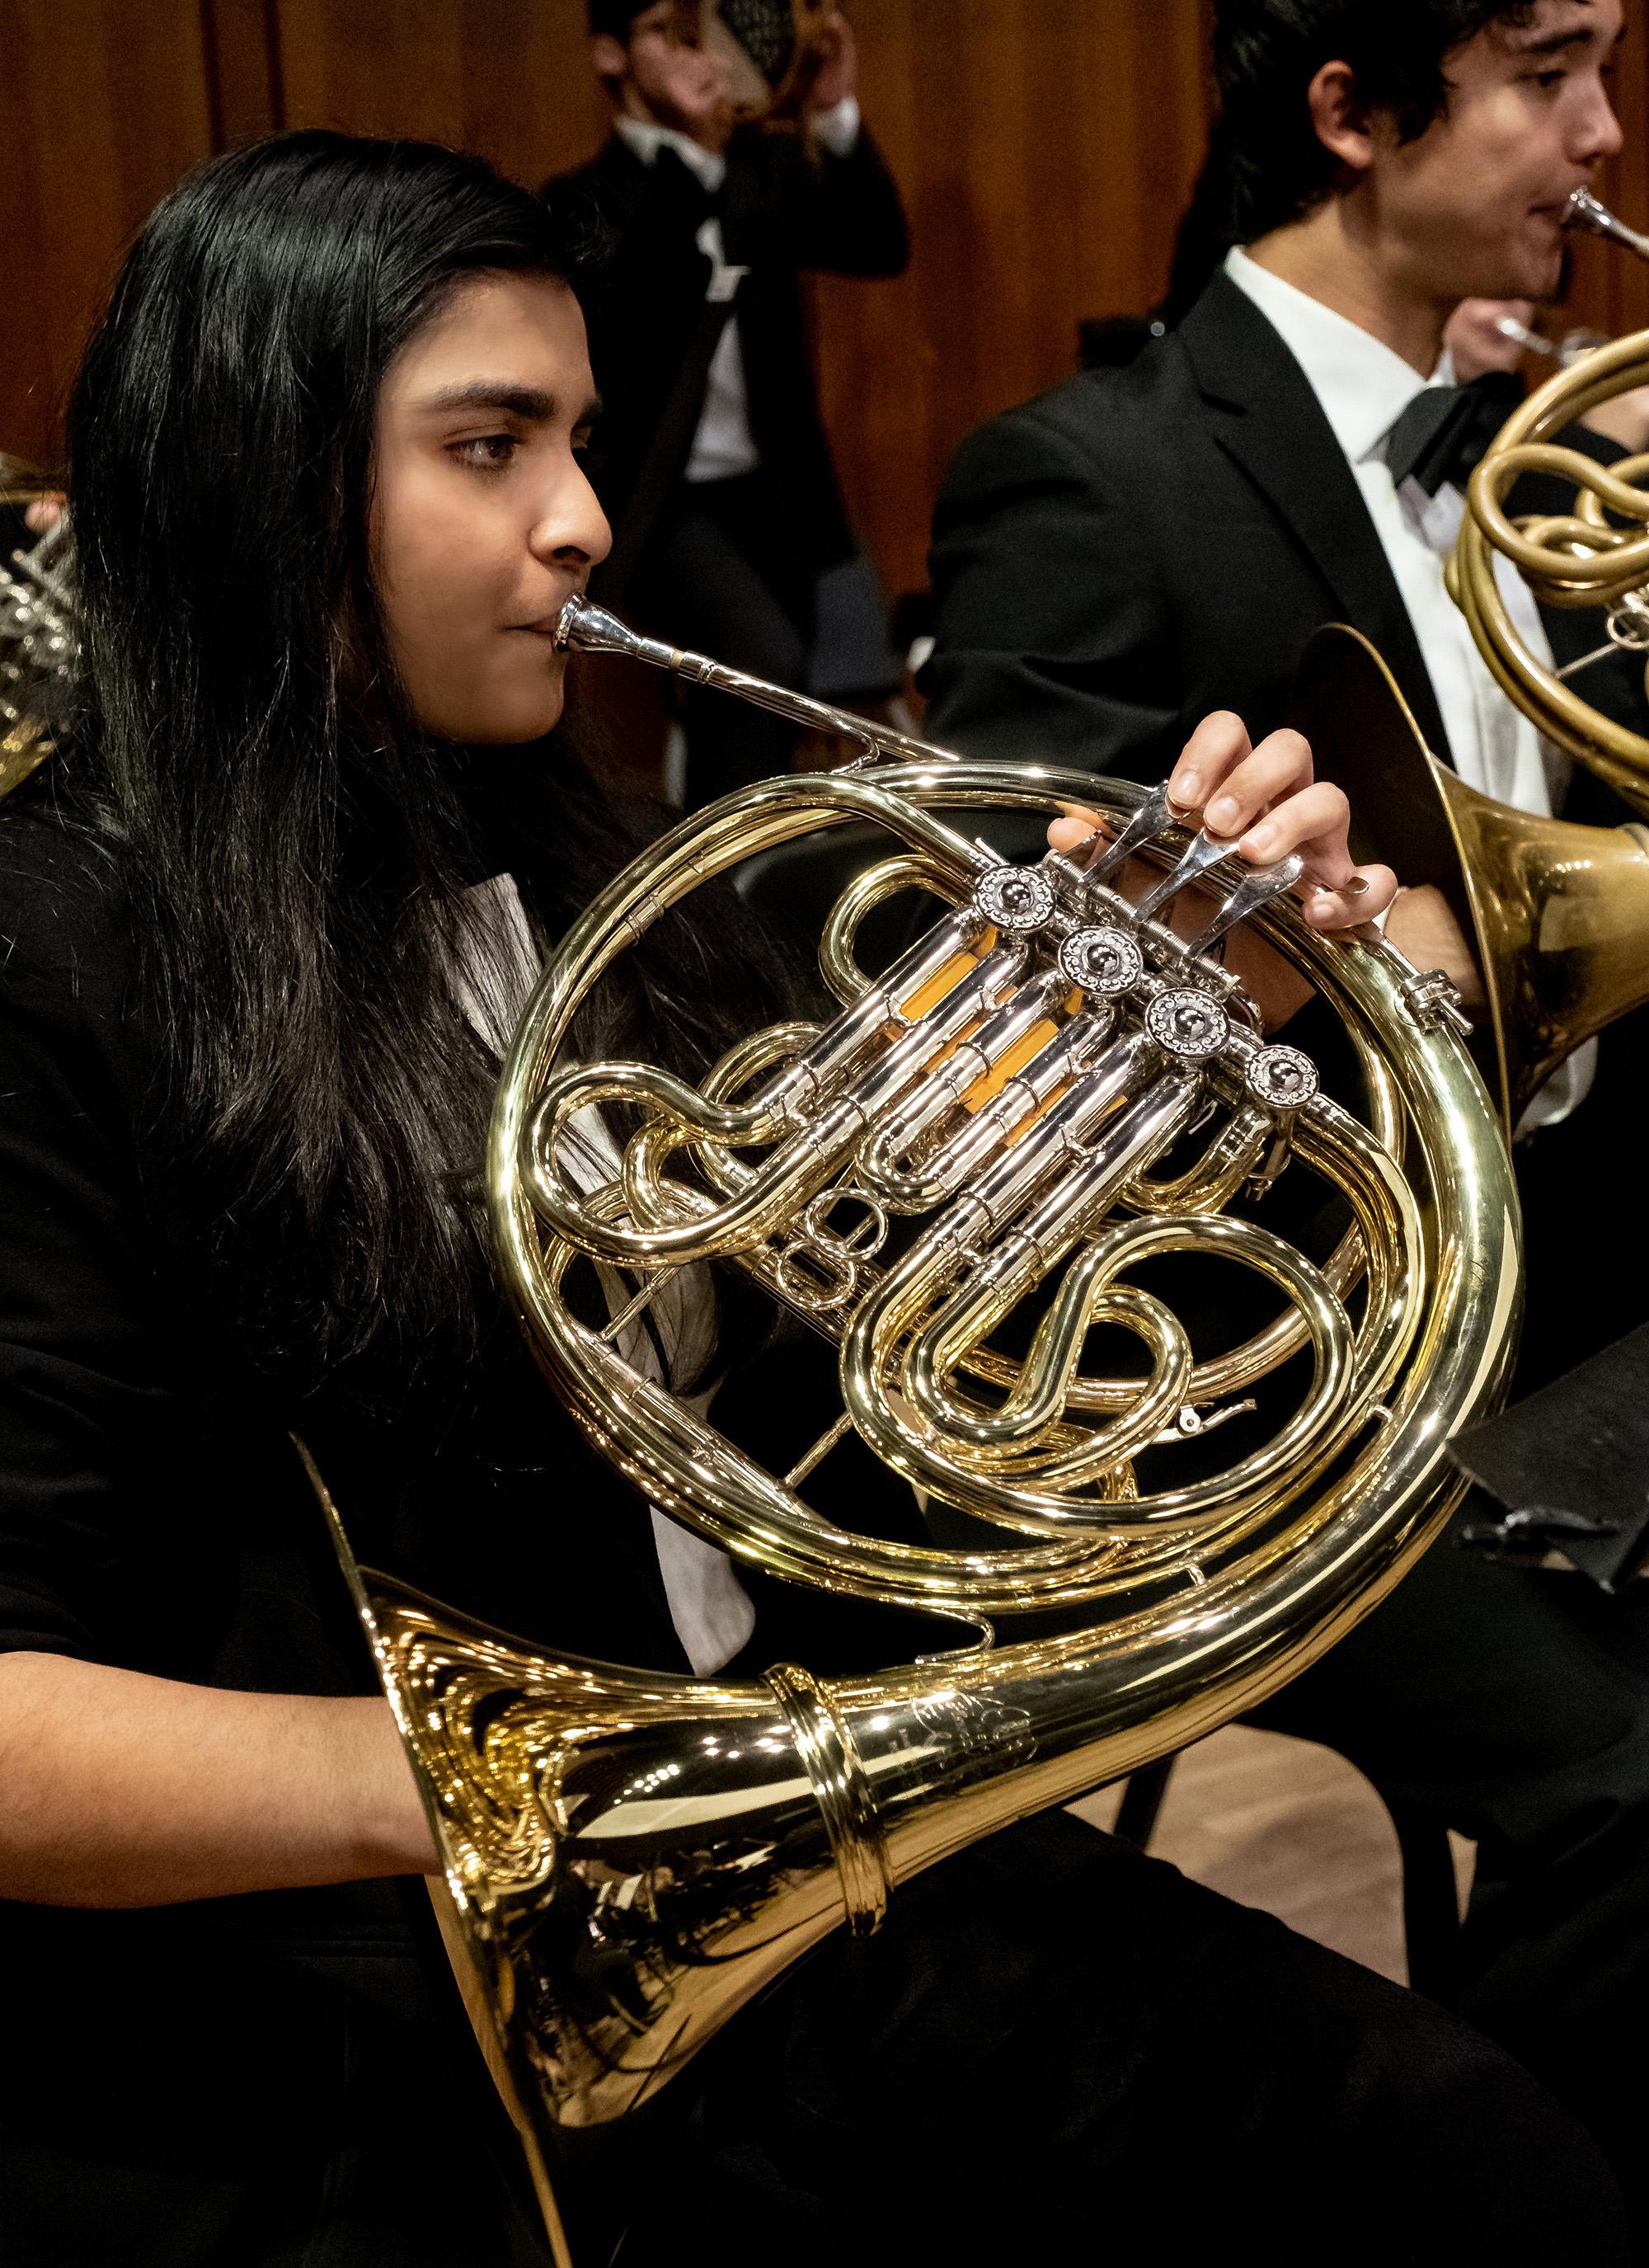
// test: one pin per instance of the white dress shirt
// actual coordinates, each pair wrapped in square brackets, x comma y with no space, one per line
[723,446]
[494,972]
[1363,388]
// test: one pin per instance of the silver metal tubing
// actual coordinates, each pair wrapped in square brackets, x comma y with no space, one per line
[585,628]
[1588,215]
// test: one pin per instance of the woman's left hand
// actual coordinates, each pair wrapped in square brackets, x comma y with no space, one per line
[1265,802]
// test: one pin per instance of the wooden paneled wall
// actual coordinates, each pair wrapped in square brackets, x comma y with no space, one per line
[105,106]
[1045,148]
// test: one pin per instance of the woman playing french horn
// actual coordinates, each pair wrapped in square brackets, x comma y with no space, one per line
[267,910]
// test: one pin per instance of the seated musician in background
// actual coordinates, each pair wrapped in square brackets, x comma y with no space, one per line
[267,914]
[23,516]
[728,522]
[1495,334]
[1112,558]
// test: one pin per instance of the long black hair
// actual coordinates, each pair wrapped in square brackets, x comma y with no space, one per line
[300,853]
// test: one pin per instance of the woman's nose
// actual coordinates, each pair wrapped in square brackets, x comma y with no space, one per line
[573,526]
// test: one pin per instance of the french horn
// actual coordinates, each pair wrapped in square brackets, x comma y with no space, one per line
[1559,913]
[1594,555]
[1057,1088]
[36,630]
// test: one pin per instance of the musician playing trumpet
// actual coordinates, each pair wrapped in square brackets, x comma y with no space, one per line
[730,533]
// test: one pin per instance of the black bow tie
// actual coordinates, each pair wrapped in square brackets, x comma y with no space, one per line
[1444,432]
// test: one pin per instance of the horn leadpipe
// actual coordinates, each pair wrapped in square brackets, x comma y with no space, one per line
[585,628]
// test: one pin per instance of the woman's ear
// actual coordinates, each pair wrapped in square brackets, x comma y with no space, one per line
[1340,116]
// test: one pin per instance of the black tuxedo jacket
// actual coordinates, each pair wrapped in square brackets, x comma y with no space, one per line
[783,209]
[1118,558]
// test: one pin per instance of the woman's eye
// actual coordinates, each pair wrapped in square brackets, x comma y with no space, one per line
[487,452]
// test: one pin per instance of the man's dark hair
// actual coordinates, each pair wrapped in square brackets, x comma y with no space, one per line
[1265,157]
[614,18]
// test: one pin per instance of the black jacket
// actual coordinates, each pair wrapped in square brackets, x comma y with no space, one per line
[153,1515]
[1118,558]
[783,208]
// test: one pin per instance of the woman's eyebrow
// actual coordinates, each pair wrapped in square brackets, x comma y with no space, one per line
[530,403]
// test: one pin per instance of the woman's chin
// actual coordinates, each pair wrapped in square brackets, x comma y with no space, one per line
[512,727]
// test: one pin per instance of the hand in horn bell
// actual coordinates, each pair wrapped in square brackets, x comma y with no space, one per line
[1266,803]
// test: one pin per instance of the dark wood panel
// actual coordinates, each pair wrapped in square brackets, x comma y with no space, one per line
[511,78]
[106,106]
[243,69]
[1621,304]
[1046,149]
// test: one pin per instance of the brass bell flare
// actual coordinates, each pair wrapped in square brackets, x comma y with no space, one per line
[1054,1083]
[1559,913]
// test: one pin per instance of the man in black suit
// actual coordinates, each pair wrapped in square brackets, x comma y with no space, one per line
[716,473]
[1116,558]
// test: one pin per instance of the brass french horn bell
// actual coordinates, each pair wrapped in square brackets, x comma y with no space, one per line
[1050,1089]
[1559,913]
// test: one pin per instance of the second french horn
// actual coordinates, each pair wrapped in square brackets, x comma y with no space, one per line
[1595,555]
[1559,913]
[36,630]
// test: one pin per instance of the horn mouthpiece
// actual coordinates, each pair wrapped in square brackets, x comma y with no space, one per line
[1587,216]
[592,629]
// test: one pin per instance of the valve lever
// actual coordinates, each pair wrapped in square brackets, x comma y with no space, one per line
[1258,886]
[1205,852]
[1155,816]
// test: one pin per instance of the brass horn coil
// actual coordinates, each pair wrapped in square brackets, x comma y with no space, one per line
[1595,554]
[1559,913]
[36,630]
[1053,1088]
